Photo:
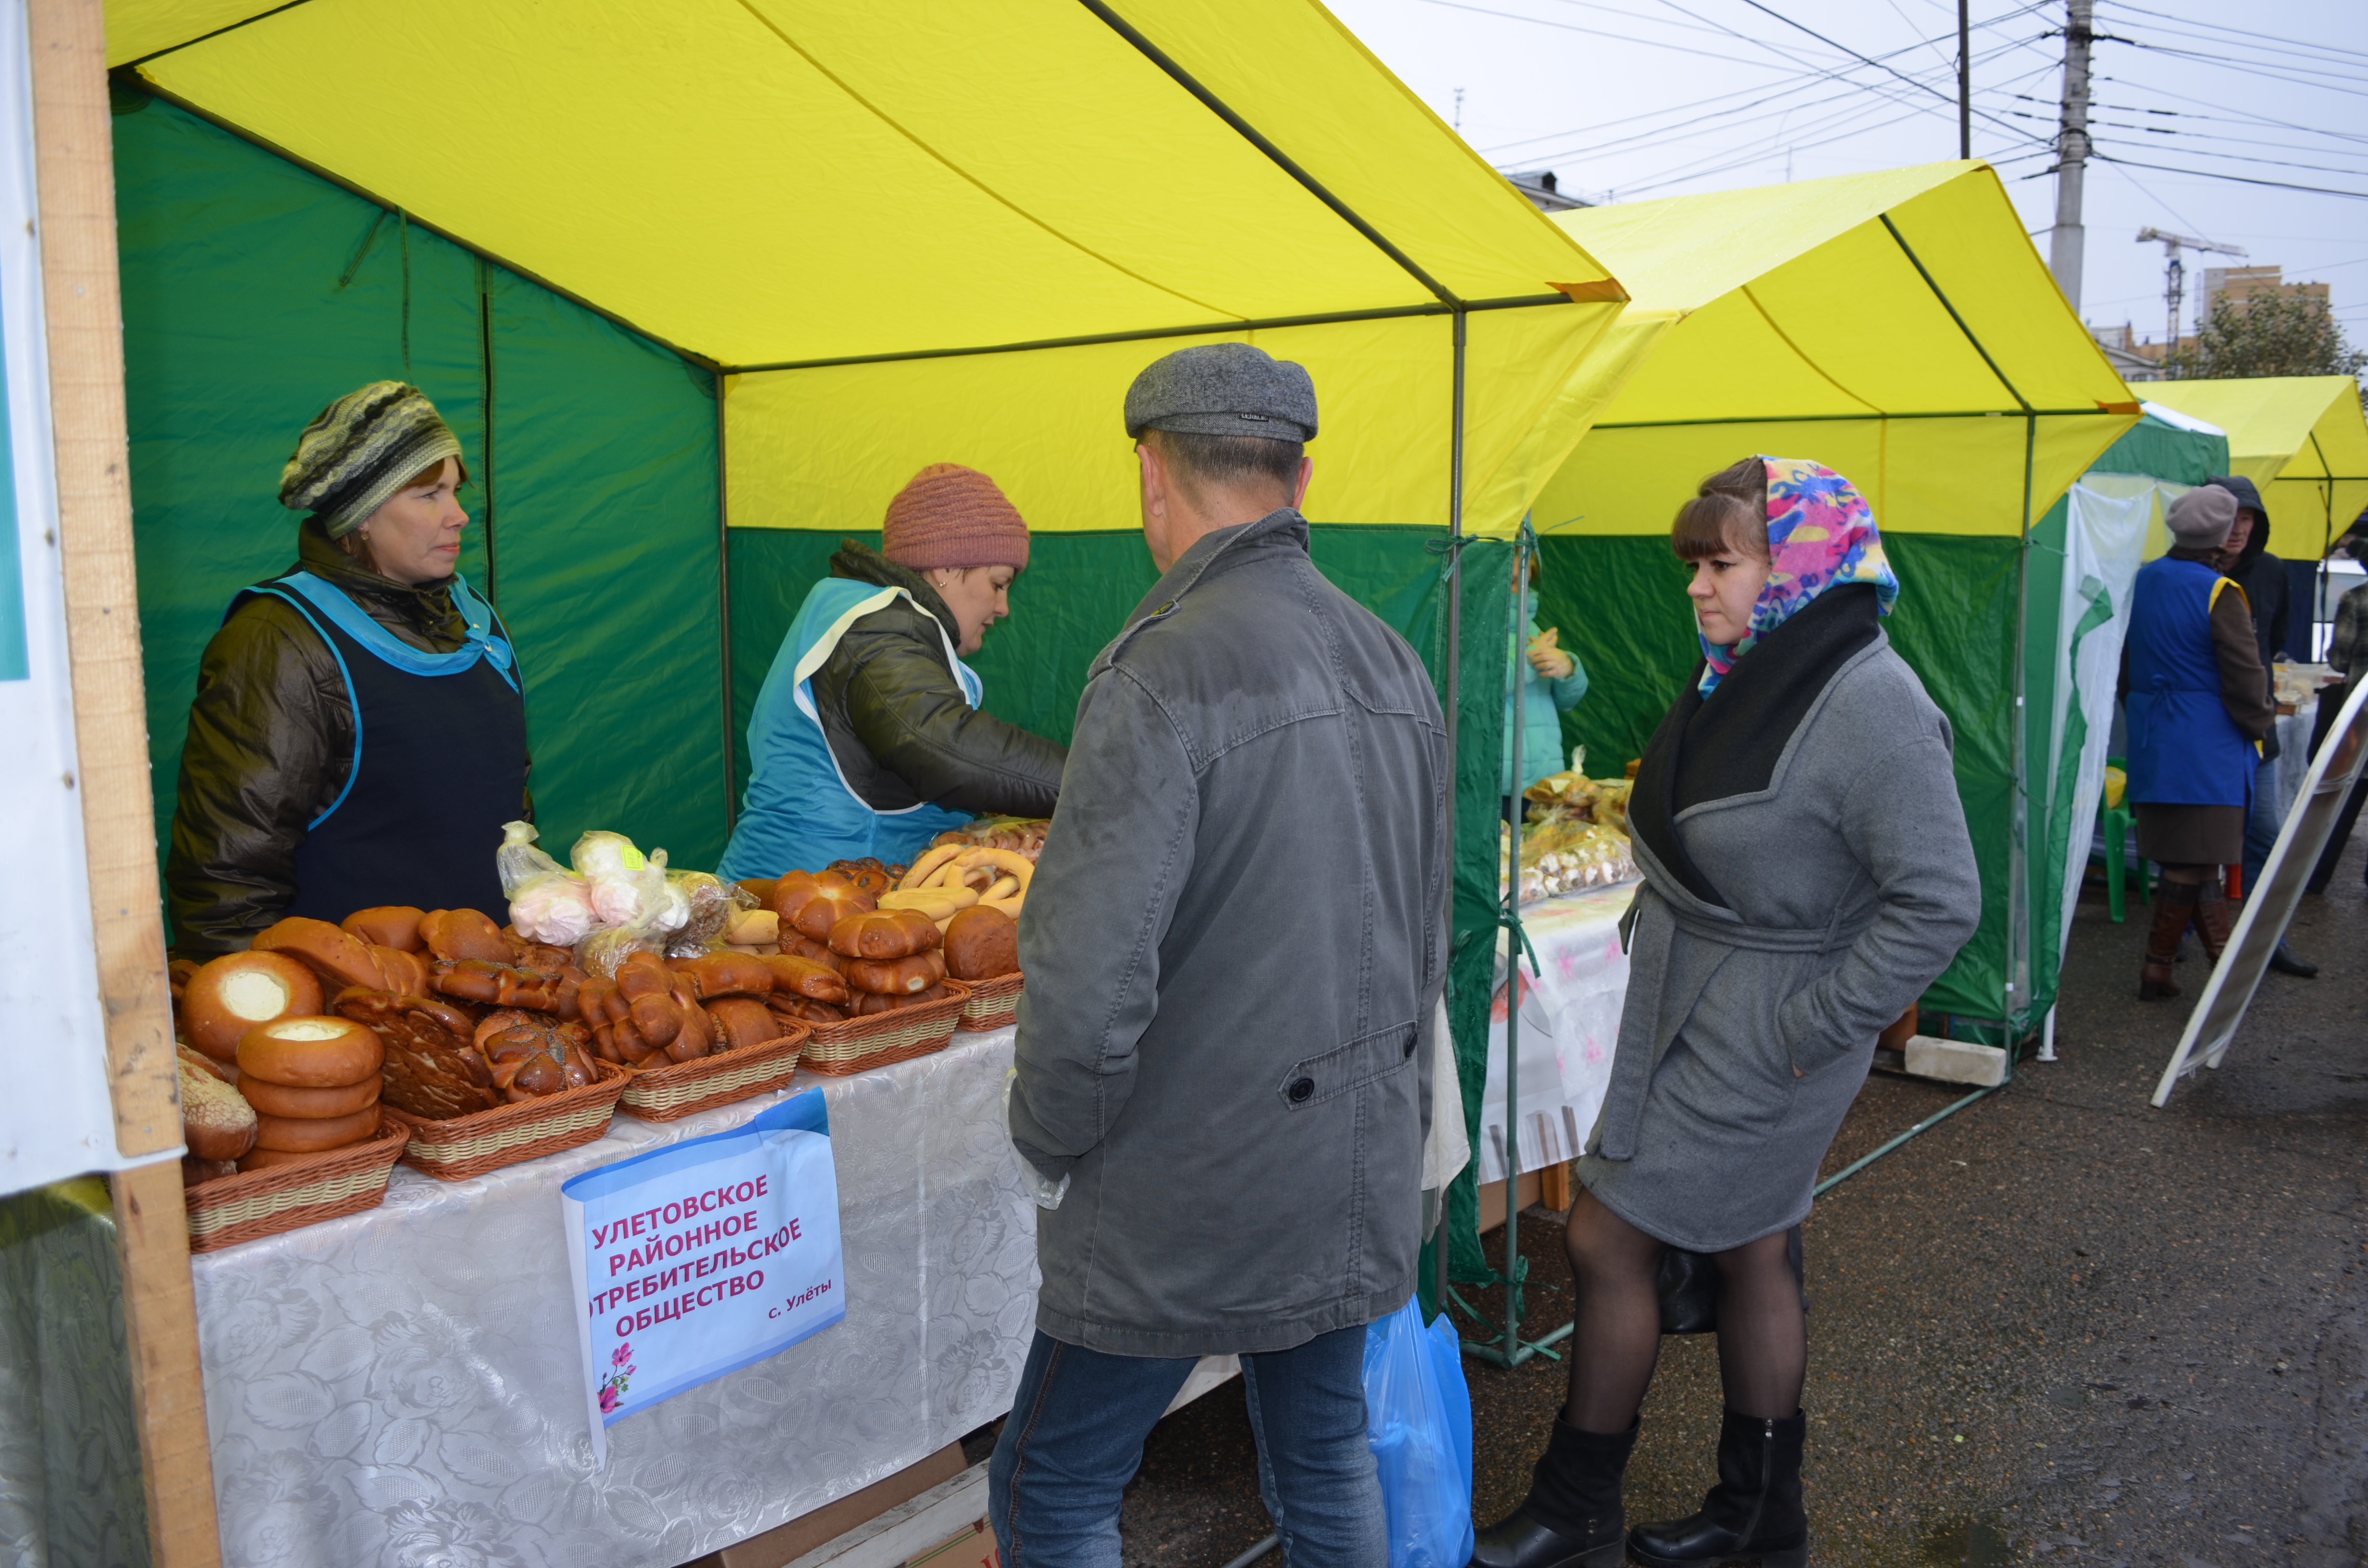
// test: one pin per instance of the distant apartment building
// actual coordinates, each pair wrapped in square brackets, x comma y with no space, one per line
[2140,360]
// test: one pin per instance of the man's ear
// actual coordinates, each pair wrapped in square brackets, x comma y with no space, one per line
[1154,478]
[1306,471]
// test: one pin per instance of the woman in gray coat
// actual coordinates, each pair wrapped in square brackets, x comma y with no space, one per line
[1806,876]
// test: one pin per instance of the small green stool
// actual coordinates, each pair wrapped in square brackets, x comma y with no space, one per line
[2116,821]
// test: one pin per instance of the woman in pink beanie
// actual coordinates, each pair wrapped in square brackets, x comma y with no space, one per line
[867,738]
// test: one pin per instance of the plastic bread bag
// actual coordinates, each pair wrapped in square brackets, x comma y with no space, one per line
[1419,1426]
[709,907]
[616,874]
[548,902]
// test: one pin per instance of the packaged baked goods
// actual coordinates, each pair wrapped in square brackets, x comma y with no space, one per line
[231,995]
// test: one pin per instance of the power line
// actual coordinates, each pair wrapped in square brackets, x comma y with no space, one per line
[1829,43]
[2244,117]
[2248,67]
[2240,32]
[1597,32]
[2239,180]
[2274,162]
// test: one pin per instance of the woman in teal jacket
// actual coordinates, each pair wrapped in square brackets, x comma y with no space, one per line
[1552,683]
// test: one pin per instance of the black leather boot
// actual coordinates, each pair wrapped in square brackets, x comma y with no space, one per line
[1753,1514]
[1571,1518]
[2174,906]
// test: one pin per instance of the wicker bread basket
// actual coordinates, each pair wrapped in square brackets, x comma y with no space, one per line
[861,1044]
[464,1146]
[684,1088]
[233,1209]
[994,1004]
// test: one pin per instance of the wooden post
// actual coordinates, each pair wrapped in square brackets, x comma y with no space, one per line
[75,172]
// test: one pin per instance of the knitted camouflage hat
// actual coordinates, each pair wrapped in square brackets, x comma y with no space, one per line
[360,450]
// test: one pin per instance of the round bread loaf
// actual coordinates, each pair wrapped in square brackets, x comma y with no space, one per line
[232,993]
[981,944]
[281,1100]
[883,934]
[216,1121]
[312,1135]
[456,934]
[896,977]
[310,1053]
[393,926]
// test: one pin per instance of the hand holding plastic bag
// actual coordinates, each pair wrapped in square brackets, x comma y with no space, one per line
[1419,1423]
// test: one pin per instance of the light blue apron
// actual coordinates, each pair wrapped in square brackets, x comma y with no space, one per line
[800,814]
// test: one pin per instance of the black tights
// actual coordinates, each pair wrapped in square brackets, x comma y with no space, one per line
[1763,1347]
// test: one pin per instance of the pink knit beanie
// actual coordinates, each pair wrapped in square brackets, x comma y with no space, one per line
[950,515]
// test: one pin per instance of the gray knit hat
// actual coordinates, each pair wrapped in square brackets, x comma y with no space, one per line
[361,449]
[2201,518]
[1223,389]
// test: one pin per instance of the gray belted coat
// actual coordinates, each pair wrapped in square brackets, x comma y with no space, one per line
[1851,884]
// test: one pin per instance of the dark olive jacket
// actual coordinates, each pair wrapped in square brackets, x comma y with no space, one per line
[270,744]
[897,721]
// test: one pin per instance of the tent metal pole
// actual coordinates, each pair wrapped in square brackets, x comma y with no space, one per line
[1925,1125]
[1441,1242]
[2021,402]
[485,366]
[723,597]
[2018,890]
[1844,419]
[1275,156]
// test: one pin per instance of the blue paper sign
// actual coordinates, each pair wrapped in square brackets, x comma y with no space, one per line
[695,1260]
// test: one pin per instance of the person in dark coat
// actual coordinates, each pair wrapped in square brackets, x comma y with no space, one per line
[1807,874]
[867,738]
[2198,703]
[1234,944]
[2269,595]
[359,736]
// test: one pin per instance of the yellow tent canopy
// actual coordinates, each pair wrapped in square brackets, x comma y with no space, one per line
[2301,440]
[1897,326]
[890,228]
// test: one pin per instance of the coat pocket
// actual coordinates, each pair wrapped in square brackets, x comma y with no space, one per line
[1315,1079]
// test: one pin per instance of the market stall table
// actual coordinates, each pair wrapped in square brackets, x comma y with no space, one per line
[1570,1020]
[405,1385]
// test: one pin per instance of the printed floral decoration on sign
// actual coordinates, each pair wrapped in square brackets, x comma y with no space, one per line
[613,1386]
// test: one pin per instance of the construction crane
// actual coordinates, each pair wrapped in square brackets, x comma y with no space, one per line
[2174,273]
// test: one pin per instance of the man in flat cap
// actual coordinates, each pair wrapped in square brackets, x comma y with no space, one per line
[1235,952]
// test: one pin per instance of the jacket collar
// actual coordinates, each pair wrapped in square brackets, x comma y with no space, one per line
[1211,555]
[427,611]
[864,564]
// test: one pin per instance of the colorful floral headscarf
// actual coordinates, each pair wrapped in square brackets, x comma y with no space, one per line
[1820,533]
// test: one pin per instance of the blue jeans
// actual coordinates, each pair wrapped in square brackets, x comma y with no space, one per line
[2262,826]
[1075,1439]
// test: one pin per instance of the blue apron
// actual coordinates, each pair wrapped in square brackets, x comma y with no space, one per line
[800,814]
[440,761]
[2184,750]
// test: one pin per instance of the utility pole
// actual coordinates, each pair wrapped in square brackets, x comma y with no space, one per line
[2067,239]
[1964,82]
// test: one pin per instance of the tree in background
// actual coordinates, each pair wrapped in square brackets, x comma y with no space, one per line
[2269,335]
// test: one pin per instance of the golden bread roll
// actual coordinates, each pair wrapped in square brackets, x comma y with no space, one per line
[340,958]
[216,1121]
[727,974]
[232,993]
[393,926]
[896,977]
[742,1020]
[312,1135]
[981,944]
[806,977]
[284,1100]
[310,1053]
[883,934]
[456,934]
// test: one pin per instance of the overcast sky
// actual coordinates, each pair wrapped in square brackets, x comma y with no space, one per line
[1634,99]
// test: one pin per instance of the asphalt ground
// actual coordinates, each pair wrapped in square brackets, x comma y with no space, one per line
[2059,1328]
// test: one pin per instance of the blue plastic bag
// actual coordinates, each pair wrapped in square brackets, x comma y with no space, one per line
[1418,1422]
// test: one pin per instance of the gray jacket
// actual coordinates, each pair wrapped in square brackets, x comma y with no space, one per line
[1233,947]
[1748,1030]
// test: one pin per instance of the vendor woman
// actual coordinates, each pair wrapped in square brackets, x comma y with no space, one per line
[357,737]
[868,739]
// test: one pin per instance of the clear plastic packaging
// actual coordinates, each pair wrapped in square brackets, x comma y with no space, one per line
[634,904]
[708,906]
[548,902]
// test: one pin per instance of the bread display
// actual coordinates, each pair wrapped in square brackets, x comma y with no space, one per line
[825,908]
[231,995]
[217,1123]
[454,934]
[531,1056]
[431,1069]
[981,944]
[285,1099]
[897,977]
[494,985]
[312,1135]
[954,877]
[795,974]
[393,926]
[884,934]
[743,1021]
[868,875]
[309,1053]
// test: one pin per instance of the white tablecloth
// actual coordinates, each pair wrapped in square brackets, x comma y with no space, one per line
[1570,1019]
[401,1389]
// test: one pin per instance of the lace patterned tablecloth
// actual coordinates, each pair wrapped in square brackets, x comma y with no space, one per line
[1570,1021]
[401,1389]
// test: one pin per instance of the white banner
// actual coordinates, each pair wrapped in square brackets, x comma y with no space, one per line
[700,1258]
[62,1123]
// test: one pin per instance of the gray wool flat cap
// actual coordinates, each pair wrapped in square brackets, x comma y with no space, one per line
[1224,389]
[2201,518]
